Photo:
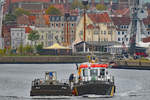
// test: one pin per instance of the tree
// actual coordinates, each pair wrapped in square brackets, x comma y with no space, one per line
[9,18]
[76,4]
[101,7]
[53,11]
[20,12]
[33,36]
[28,49]
[39,47]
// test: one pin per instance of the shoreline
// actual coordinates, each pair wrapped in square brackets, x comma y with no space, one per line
[41,59]
[67,59]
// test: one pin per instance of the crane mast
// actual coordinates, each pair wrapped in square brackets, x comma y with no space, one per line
[137,13]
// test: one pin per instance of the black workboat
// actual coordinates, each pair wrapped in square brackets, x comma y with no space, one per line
[94,79]
[50,86]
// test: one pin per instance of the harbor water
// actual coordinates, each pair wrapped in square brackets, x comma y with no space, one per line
[15,81]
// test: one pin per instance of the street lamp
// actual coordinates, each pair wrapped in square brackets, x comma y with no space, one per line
[67,15]
[85,3]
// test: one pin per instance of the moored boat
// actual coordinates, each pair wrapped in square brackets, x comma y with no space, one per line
[94,79]
[50,86]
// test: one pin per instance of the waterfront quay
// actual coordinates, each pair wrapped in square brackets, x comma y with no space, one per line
[41,59]
[119,64]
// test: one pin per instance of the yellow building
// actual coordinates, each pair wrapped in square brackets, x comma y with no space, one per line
[99,27]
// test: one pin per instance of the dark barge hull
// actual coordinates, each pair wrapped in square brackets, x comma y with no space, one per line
[95,88]
[51,90]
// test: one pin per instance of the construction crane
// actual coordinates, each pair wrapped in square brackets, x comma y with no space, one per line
[136,28]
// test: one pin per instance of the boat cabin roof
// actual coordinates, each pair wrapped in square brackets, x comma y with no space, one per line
[94,66]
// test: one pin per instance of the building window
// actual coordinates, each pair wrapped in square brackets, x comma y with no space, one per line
[95,32]
[126,39]
[56,24]
[62,24]
[53,18]
[122,32]
[118,39]
[118,33]
[72,24]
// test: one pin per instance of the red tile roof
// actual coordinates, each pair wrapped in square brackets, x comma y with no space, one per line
[23,20]
[100,18]
[28,29]
[46,18]
[32,19]
[60,7]
[123,12]
[121,20]
[90,26]
[146,39]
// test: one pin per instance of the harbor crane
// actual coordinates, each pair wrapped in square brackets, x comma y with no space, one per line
[137,29]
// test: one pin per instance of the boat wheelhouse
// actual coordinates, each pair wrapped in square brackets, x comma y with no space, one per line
[94,79]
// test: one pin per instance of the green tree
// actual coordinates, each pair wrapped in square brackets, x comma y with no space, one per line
[78,4]
[53,11]
[28,50]
[39,47]
[101,7]
[33,36]
[9,18]
[20,12]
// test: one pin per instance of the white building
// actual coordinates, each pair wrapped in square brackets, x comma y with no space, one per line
[122,27]
[50,35]
[18,37]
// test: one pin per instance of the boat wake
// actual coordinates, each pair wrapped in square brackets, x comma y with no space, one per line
[14,97]
[96,96]
[135,93]
[37,97]
[51,97]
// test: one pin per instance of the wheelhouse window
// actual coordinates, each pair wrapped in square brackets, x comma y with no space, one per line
[94,72]
[85,72]
[102,71]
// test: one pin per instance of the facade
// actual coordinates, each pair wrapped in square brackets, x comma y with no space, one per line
[49,36]
[7,35]
[122,27]
[146,22]
[62,27]
[18,37]
[98,25]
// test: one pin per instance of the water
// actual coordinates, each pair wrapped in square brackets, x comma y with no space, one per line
[15,81]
